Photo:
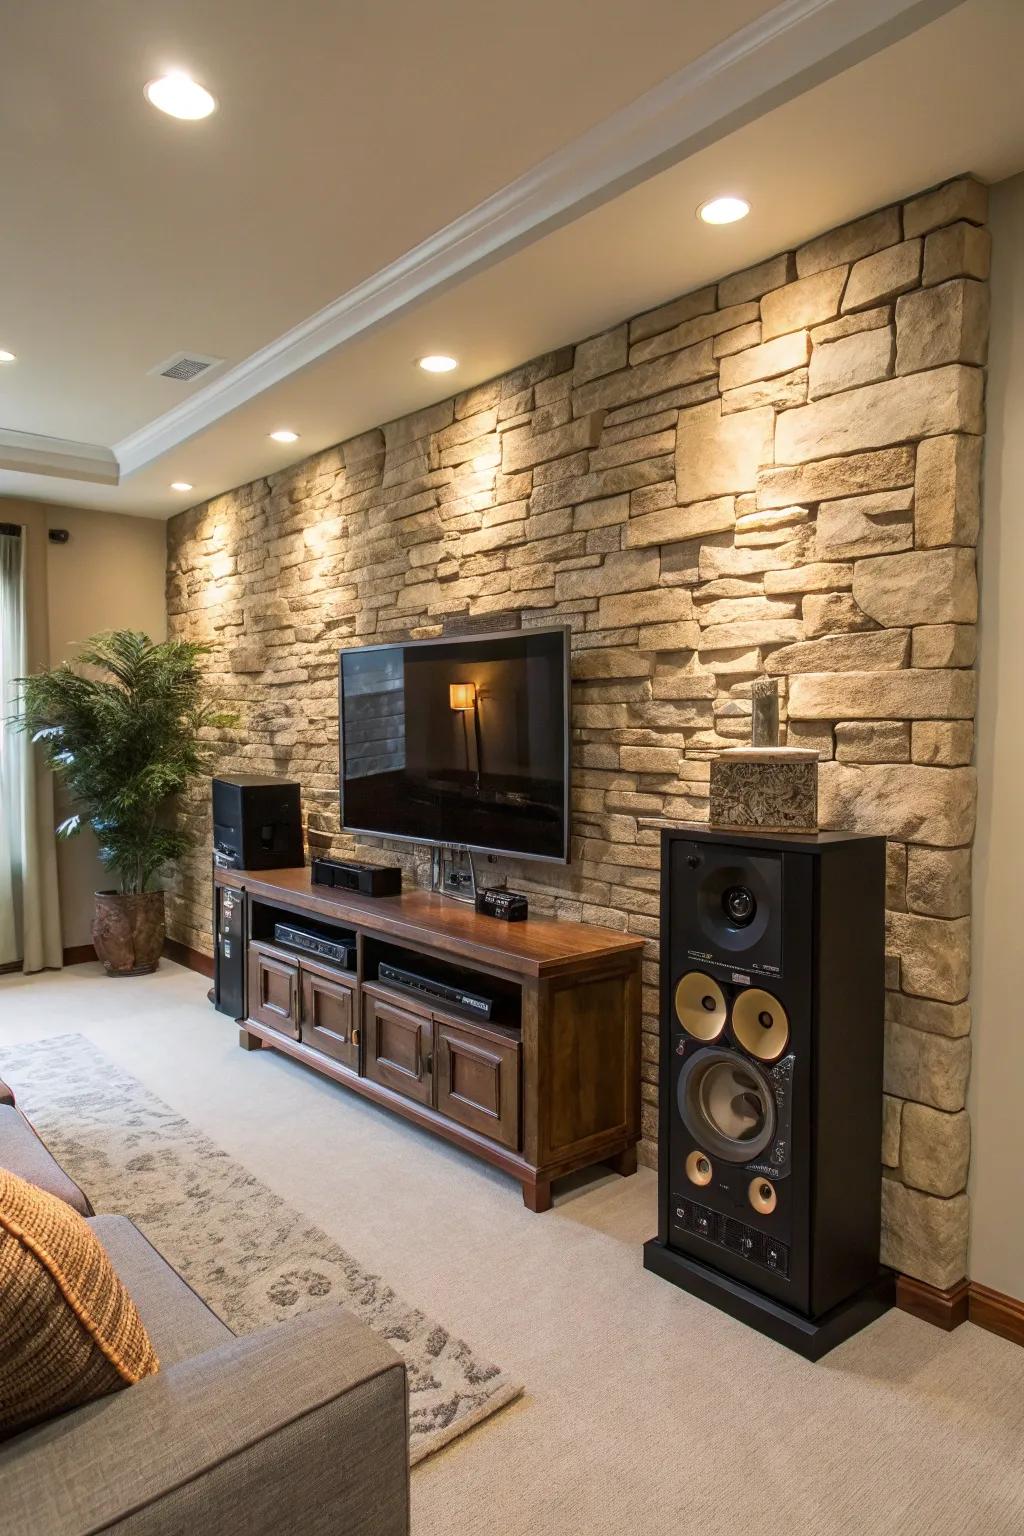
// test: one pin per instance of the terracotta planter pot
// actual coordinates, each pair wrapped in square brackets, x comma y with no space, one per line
[128,932]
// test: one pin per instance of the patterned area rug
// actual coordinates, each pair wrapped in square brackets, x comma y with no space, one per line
[253,1258]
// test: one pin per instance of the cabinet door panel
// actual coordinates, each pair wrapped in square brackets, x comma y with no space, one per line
[478,1082]
[273,992]
[329,1018]
[397,1049]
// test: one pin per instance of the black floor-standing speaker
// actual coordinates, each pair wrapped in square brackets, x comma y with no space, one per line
[772,1007]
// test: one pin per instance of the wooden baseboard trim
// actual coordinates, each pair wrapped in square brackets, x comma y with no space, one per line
[944,1309]
[79,954]
[997,1312]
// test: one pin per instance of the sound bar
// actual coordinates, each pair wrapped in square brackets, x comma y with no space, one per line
[436,991]
[351,875]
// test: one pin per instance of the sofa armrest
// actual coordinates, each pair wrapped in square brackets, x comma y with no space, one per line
[303,1427]
[6,1094]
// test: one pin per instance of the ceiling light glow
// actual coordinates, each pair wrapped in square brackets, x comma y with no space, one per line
[6,357]
[285,435]
[438,362]
[723,210]
[181,485]
[179,95]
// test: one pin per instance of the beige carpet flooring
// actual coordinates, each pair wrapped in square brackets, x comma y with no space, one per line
[646,1412]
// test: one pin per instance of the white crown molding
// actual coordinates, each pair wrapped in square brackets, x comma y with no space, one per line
[32,454]
[788,50]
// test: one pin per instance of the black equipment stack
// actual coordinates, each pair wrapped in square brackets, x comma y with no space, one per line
[772,1006]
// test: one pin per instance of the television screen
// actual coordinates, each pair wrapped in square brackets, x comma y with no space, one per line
[459,741]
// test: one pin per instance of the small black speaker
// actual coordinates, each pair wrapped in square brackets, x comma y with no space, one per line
[772,1007]
[257,823]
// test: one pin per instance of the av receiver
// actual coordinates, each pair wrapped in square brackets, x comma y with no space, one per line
[436,991]
[338,951]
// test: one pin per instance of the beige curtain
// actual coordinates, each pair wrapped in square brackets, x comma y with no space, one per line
[12,632]
[37,913]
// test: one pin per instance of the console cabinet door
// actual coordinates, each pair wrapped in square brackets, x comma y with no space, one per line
[273,992]
[329,1017]
[477,1078]
[398,1049]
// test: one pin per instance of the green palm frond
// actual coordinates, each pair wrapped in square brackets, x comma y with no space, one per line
[126,736]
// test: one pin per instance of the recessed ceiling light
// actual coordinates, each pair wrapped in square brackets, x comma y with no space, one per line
[437,362]
[181,485]
[285,435]
[723,210]
[6,357]
[180,96]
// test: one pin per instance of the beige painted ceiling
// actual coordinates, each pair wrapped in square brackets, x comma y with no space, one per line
[345,135]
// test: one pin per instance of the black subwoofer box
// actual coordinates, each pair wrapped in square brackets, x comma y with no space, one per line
[257,823]
[772,1008]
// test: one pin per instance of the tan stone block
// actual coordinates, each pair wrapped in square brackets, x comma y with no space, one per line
[669,637]
[727,343]
[854,475]
[750,632]
[600,355]
[658,606]
[620,572]
[879,523]
[939,881]
[873,741]
[828,576]
[782,393]
[880,649]
[958,250]
[433,418]
[950,1019]
[751,283]
[680,682]
[852,325]
[766,361]
[929,1069]
[923,1236]
[777,521]
[601,514]
[935,959]
[944,645]
[945,324]
[725,610]
[947,490]
[676,524]
[806,302]
[878,278]
[903,801]
[718,559]
[651,379]
[830,613]
[522,447]
[892,1116]
[935,1149]
[964,198]
[921,405]
[936,586]
[863,358]
[895,870]
[850,242]
[655,321]
[905,694]
[608,661]
[689,332]
[720,455]
[946,742]
[659,760]
[810,735]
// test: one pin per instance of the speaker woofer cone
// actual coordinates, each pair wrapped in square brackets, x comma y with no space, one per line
[727,1105]
[698,1168]
[700,1006]
[760,1024]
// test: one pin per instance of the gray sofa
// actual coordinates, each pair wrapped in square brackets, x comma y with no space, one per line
[300,1428]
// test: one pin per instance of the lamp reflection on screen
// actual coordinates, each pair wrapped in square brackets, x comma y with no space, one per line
[462,698]
[462,695]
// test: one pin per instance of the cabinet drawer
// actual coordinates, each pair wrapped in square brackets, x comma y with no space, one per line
[477,1081]
[329,1021]
[273,991]
[397,1049]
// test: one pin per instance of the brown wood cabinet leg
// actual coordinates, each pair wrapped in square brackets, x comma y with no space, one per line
[249,1042]
[537,1195]
[623,1162]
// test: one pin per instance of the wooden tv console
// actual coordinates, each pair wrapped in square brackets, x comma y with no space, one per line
[549,1085]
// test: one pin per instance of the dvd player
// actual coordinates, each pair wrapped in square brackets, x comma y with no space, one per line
[436,991]
[339,951]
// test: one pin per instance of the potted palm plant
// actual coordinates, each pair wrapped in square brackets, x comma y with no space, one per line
[122,728]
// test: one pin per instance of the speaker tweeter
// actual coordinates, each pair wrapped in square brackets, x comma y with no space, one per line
[698,1168]
[762,1196]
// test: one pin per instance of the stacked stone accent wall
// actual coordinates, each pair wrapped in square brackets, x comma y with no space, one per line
[778,473]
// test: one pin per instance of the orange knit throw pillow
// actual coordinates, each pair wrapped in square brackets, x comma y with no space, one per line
[69,1331]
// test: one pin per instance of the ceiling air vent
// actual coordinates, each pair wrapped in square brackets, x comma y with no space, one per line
[185,366]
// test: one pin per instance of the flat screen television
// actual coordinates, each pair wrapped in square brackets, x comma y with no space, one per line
[462,741]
